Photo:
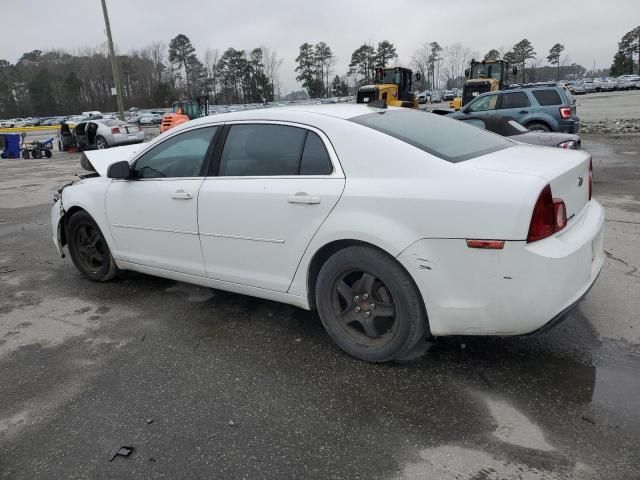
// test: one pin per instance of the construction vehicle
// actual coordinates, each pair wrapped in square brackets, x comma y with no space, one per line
[183,111]
[393,86]
[482,77]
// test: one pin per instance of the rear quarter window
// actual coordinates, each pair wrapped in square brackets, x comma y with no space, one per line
[548,96]
[445,138]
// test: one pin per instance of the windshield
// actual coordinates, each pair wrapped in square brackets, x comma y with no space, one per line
[388,76]
[446,138]
[490,70]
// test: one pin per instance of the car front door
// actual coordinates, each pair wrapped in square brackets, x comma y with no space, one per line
[153,216]
[273,186]
[516,105]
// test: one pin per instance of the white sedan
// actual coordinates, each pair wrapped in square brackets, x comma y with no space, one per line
[393,224]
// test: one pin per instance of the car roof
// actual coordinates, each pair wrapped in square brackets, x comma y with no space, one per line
[343,111]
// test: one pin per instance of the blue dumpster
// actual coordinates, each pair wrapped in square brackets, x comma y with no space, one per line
[11,146]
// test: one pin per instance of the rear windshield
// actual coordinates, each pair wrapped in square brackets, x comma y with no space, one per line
[547,96]
[446,138]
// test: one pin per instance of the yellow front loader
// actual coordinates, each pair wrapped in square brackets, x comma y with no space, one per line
[393,86]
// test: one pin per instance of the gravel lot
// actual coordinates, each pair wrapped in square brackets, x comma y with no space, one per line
[208,384]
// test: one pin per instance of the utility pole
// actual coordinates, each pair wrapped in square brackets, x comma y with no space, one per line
[114,64]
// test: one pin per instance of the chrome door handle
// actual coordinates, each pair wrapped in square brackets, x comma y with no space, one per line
[302,197]
[181,195]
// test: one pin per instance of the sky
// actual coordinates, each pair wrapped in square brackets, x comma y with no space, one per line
[589,29]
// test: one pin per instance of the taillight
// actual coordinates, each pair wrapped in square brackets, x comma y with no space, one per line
[590,179]
[549,216]
[568,144]
[565,112]
[115,130]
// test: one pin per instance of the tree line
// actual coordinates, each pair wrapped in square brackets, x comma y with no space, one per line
[56,81]
[59,82]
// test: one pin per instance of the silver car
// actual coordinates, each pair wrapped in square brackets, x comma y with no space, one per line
[105,133]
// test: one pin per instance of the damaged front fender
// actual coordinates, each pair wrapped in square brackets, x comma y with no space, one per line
[57,226]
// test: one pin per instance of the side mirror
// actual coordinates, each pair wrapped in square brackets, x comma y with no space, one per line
[418,76]
[515,70]
[119,170]
[466,72]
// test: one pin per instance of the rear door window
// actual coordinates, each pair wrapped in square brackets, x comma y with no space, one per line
[315,158]
[548,96]
[514,100]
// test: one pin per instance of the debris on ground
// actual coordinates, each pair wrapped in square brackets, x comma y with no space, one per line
[588,420]
[149,421]
[232,423]
[123,451]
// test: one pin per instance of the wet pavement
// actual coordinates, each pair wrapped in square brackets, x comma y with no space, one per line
[208,384]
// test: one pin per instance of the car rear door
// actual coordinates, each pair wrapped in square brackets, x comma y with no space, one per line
[516,105]
[483,105]
[153,217]
[272,186]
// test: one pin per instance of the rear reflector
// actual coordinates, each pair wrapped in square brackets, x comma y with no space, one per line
[560,213]
[565,112]
[488,244]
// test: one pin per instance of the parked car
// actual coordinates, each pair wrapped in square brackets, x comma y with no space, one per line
[436,96]
[576,88]
[537,107]
[461,231]
[105,133]
[509,127]
[423,97]
[150,119]
[448,95]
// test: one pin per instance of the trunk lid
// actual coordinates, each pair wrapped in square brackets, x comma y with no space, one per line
[567,171]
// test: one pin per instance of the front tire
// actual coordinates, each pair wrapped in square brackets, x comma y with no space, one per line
[88,248]
[369,305]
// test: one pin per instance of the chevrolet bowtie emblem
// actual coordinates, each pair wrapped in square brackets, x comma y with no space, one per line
[580,180]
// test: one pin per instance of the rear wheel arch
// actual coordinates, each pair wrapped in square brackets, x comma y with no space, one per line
[537,121]
[326,251]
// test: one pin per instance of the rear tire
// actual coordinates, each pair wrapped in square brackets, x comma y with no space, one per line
[538,126]
[369,305]
[48,154]
[89,250]
[101,143]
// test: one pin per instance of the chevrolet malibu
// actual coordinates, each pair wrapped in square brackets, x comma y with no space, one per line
[394,224]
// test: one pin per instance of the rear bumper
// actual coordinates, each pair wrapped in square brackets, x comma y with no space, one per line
[571,125]
[513,291]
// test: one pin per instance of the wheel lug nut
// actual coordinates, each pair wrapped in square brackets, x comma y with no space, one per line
[372,306]
[365,296]
[356,298]
[366,314]
[357,309]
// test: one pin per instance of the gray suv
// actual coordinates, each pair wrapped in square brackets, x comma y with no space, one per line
[538,107]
